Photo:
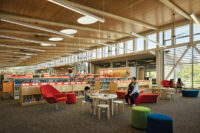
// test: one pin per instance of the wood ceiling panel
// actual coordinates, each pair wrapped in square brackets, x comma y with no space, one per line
[149,11]
[190,6]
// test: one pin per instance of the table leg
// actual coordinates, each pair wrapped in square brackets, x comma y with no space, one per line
[94,107]
[112,107]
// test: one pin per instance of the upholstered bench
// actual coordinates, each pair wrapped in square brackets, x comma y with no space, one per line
[146,98]
[190,93]
[139,116]
[121,94]
[71,98]
[159,123]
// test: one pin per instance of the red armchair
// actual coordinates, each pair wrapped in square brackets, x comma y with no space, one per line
[52,95]
[165,83]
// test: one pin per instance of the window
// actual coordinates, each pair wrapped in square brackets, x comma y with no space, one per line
[84,56]
[120,48]
[129,46]
[112,50]
[72,59]
[167,37]
[62,60]
[161,38]
[57,62]
[67,59]
[188,67]
[196,32]
[151,45]
[75,58]
[139,44]
[99,53]
[182,34]
[79,57]
[94,54]
[89,55]
[105,51]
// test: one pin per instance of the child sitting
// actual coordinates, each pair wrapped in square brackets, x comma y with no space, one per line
[87,94]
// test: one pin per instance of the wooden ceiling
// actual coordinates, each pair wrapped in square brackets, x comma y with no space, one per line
[48,15]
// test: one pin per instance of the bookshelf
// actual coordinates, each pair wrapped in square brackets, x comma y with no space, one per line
[30,92]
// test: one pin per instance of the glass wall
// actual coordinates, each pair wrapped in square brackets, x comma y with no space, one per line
[182,34]
[94,54]
[188,67]
[112,51]
[129,46]
[167,37]
[196,32]
[139,44]
[105,51]
[120,48]
[84,56]
[99,53]
[149,44]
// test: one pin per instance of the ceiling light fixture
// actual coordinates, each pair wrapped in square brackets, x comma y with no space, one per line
[86,20]
[195,19]
[15,52]
[13,46]
[27,40]
[65,5]
[69,31]
[45,44]
[55,39]
[34,26]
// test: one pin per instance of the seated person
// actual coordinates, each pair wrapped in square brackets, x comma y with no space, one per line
[87,94]
[179,84]
[171,83]
[133,91]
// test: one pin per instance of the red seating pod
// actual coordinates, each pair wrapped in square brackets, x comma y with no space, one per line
[52,95]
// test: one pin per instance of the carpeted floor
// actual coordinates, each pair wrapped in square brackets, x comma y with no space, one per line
[45,119]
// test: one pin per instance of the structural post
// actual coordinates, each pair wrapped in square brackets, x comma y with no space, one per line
[159,68]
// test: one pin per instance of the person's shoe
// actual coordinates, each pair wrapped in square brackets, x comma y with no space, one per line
[125,103]
[134,105]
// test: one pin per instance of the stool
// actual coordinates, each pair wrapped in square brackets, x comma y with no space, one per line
[83,104]
[117,103]
[121,94]
[159,123]
[139,116]
[171,95]
[71,98]
[104,106]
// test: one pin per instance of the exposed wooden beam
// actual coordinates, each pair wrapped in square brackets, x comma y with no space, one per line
[176,8]
[197,49]
[77,44]
[110,15]
[177,62]
[40,21]
[49,35]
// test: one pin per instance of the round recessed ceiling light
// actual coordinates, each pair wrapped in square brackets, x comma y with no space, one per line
[47,44]
[55,39]
[69,31]
[86,20]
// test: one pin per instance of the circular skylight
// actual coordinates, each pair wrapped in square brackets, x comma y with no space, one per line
[55,39]
[86,20]
[69,31]
[47,44]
